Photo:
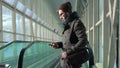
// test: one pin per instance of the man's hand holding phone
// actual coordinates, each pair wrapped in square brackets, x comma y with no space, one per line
[54,45]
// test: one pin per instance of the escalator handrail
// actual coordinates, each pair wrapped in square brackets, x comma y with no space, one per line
[21,55]
[15,41]
[3,42]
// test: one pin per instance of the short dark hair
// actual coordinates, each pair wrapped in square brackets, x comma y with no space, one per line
[65,7]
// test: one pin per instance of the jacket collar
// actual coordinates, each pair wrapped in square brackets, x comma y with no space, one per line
[73,16]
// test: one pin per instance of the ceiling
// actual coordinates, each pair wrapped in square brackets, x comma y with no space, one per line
[52,5]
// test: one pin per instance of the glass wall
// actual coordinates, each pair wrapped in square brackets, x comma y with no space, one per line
[19,37]
[27,26]
[20,23]
[7,24]
[19,27]
[7,37]
[34,28]
[7,19]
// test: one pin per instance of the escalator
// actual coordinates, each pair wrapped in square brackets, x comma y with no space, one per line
[9,53]
[38,54]
[28,54]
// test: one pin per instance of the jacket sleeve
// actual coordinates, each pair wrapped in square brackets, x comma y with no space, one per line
[80,32]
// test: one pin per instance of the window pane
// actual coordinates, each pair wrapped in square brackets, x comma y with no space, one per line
[41,33]
[38,19]
[11,2]
[27,38]
[20,6]
[28,12]
[34,28]
[8,37]
[7,19]
[38,30]
[19,37]
[27,26]
[34,16]
[19,24]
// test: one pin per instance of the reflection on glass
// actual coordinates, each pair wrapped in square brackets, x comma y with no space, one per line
[7,19]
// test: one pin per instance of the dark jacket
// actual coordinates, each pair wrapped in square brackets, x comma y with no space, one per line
[74,34]
[74,38]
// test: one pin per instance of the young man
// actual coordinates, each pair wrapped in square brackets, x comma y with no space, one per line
[74,52]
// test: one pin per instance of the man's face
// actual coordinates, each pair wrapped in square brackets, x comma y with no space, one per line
[62,15]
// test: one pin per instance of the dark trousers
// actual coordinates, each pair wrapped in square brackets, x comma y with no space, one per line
[91,60]
[66,64]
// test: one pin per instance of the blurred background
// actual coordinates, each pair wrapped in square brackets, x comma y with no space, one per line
[28,26]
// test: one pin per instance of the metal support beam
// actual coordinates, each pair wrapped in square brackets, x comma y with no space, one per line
[112,44]
[105,35]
